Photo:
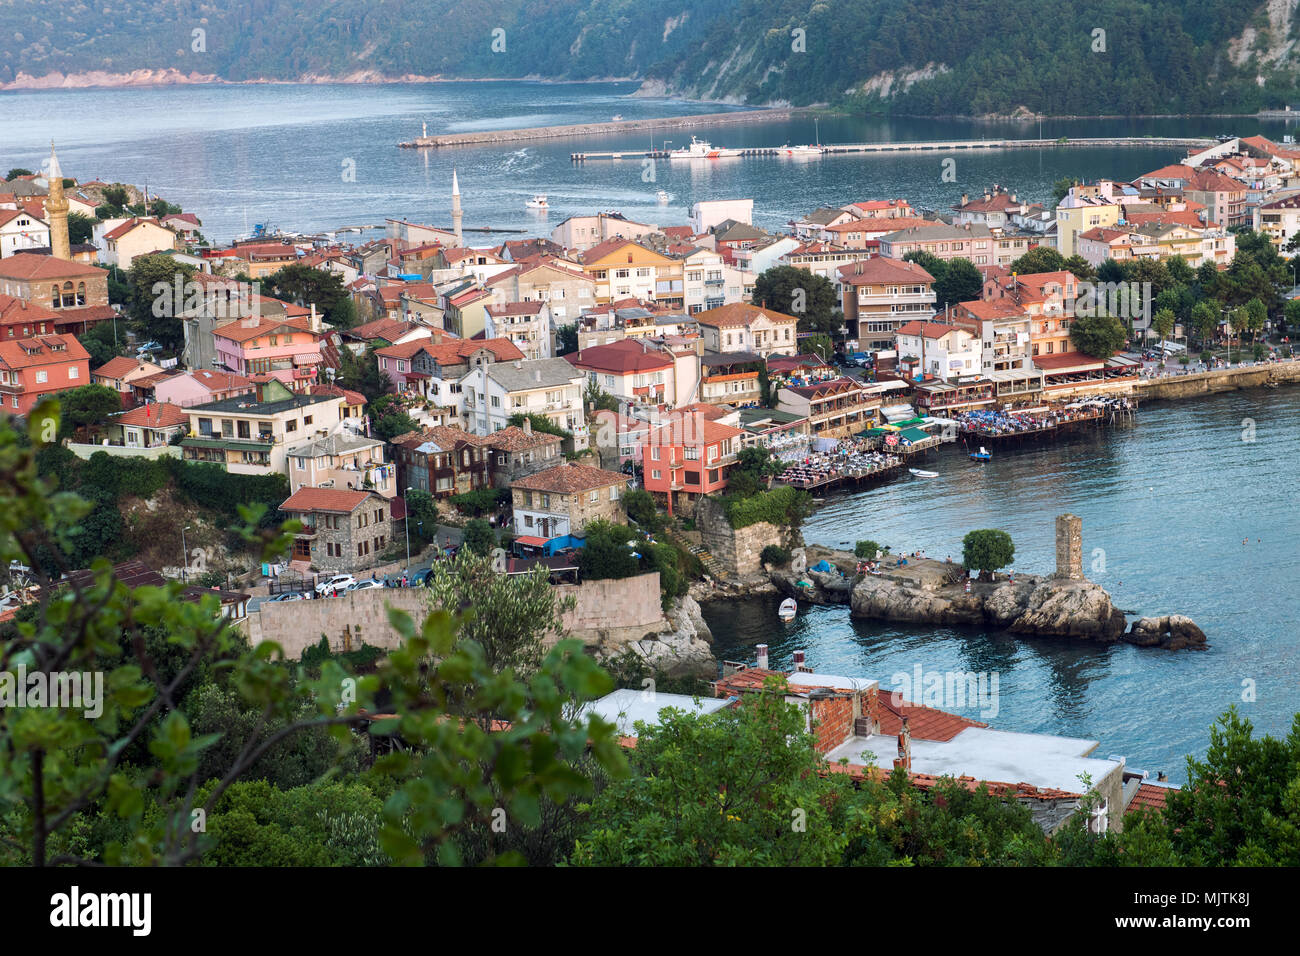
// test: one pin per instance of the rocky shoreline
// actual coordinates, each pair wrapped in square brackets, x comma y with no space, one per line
[1035,605]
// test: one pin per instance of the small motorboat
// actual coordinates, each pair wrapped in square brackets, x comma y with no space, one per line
[661,196]
[981,455]
[618,118]
[538,202]
[788,609]
[917,472]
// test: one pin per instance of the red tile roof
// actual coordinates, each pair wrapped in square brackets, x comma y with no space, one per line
[117,367]
[569,478]
[326,499]
[14,309]
[455,352]
[1149,795]
[25,265]
[882,269]
[156,415]
[931,330]
[620,358]
[924,723]
[41,350]
[739,314]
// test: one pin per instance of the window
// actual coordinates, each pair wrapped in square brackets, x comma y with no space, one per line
[42,376]
[657,474]
[306,419]
[74,372]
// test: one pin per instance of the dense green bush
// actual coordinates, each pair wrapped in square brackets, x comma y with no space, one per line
[782,506]
[775,555]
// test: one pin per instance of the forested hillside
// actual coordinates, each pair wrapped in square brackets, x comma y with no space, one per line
[922,57]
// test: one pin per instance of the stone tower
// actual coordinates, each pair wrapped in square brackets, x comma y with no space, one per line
[1069,547]
[456,214]
[56,208]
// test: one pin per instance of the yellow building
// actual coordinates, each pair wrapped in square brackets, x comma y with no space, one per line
[1073,220]
[625,269]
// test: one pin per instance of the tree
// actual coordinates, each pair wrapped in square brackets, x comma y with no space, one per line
[513,615]
[89,406]
[539,423]
[753,471]
[960,282]
[1038,259]
[1100,336]
[866,549]
[1163,324]
[102,344]
[152,305]
[1291,313]
[306,285]
[608,551]
[1080,267]
[361,374]
[422,515]
[800,293]
[743,786]
[80,228]
[388,418]
[16,172]
[819,345]
[566,339]
[986,550]
[598,399]
[479,537]
[1256,316]
[641,508]
[1061,188]
[1205,320]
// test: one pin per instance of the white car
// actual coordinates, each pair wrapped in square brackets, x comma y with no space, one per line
[334,584]
[365,585]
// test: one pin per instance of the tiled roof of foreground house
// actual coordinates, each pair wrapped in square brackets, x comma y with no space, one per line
[569,478]
[156,415]
[514,438]
[325,499]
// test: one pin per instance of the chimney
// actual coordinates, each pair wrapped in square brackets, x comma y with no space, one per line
[528,425]
[799,665]
[762,656]
[314,321]
[904,759]
[1162,777]
[964,198]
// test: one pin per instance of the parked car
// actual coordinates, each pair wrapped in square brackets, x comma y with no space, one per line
[334,584]
[287,596]
[366,585]
[147,347]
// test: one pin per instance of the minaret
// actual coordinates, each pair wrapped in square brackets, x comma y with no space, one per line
[456,214]
[56,208]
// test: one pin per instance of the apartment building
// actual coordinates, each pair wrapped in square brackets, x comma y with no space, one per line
[879,295]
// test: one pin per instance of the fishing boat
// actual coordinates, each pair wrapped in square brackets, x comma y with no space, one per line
[699,149]
[661,196]
[788,609]
[981,455]
[538,202]
[918,473]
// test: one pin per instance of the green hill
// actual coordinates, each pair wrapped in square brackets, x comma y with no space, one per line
[924,57]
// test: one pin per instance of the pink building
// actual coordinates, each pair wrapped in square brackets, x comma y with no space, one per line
[266,345]
[197,387]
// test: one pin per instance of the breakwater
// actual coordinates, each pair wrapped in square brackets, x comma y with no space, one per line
[598,129]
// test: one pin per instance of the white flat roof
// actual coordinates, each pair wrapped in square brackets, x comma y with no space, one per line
[813,679]
[998,756]
[626,706]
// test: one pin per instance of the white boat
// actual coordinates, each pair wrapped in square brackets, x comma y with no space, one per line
[538,202]
[922,474]
[802,150]
[699,149]
[661,196]
[787,610]
[618,118]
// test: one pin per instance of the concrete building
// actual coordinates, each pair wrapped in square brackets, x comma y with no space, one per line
[710,212]
[879,295]
[490,394]
[249,437]
[346,460]
[343,531]
[749,328]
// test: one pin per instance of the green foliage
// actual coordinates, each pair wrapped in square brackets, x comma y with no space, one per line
[479,537]
[389,418]
[17,171]
[641,507]
[775,555]
[1100,336]
[89,406]
[598,399]
[103,343]
[539,422]
[566,339]
[735,788]
[422,515]
[867,550]
[480,501]
[783,507]
[512,615]
[606,552]
[145,273]
[800,293]
[81,228]
[361,373]
[754,469]
[306,286]
[986,550]
[960,282]
[1038,259]
[1163,323]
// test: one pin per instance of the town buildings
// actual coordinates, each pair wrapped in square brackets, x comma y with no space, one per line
[880,295]
[564,499]
[342,531]
[32,368]
[748,328]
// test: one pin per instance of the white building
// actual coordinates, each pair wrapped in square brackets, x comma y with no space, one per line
[20,230]
[527,324]
[710,212]
[490,394]
[945,351]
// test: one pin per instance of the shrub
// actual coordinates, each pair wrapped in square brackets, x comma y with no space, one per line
[783,506]
[866,549]
[479,502]
[775,555]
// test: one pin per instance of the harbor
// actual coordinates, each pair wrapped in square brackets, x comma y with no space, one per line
[951,145]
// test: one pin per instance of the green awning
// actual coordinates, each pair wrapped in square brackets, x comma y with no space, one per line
[914,434]
[872,432]
[227,444]
[910,421]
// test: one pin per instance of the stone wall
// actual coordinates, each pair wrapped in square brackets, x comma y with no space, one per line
[297,625]
[1218,380]
[613,612]
[737,550]
[1069,547]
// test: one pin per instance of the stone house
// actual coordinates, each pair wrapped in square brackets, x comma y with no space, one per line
[564,499]
[343,531]
[442,460]
[518,452]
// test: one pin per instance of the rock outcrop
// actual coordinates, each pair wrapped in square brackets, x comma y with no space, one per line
[1030,605]
[683,651]
[1173,632]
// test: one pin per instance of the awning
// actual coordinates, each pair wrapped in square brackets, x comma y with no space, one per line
[914,434]
[530,541]
[227,444]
